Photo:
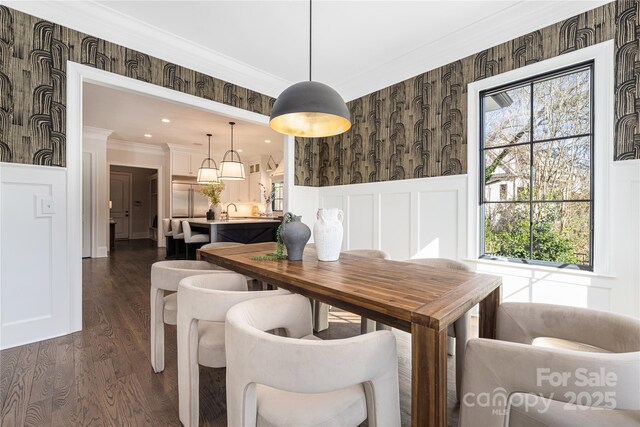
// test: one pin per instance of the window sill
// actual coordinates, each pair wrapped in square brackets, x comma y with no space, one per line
[529,267]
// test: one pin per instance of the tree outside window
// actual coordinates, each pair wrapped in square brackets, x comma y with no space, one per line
[536,158]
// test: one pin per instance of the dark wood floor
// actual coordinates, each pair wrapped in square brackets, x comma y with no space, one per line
[102,376]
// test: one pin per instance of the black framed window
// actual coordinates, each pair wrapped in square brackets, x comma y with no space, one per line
[536,163]
[278,201]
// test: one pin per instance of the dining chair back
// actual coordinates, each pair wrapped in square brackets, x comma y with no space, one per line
[301,380]
[203,302]
[165,276]
[606,376]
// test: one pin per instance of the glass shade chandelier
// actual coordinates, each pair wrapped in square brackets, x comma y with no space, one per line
[231,167]
[208,174]
[310,109]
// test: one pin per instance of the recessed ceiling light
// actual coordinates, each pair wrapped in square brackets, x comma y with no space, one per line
[239,150]
[147,135]
[268,141]
[165,121]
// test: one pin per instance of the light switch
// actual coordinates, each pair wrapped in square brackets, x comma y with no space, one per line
[45,206]
[48,206]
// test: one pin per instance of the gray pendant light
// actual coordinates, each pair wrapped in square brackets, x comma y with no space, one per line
[310,109]
[209,173]
[231,167]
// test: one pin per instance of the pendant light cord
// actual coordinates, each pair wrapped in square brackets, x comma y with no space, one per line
[310,35]
[209,152]
[231,123]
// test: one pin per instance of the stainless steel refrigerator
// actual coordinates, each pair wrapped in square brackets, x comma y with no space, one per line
[187,201]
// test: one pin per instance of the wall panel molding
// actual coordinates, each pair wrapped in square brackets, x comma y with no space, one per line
[34,301]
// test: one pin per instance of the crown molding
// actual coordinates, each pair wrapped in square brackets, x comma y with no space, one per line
[185,149]
[97,133]
[510,23]
[103,22]
[135,147]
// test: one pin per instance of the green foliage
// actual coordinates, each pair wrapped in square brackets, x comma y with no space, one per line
[507,235]
[212,192]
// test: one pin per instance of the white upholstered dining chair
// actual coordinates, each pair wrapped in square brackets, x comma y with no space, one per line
[298,380]
[220,245]
[203,302]
[528,384]
[165,276]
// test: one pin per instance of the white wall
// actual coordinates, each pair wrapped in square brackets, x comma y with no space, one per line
[420,218]
[34,285]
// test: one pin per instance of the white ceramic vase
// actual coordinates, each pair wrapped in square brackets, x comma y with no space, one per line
[327,234]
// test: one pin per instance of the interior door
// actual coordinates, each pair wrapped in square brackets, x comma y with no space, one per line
[86,205]
[121,202]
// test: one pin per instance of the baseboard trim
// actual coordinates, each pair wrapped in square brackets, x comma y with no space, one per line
[101,252]
[139,235]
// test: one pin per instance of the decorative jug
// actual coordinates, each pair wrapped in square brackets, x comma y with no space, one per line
[295,235]
[327,234]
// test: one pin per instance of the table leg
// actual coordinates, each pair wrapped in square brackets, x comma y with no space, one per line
[489,313]
[428,376]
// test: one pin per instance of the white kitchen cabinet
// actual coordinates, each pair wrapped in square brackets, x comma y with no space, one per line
[180,163]
[185,163]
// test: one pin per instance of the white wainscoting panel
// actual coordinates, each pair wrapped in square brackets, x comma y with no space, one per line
[34,285]
[360,222]
[408,218]
[437,232]
[395,224]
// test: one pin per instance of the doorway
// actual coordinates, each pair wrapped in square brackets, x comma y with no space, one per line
[134,202]
[77,75]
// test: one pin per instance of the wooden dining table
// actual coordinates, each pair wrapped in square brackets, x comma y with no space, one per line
[417,299]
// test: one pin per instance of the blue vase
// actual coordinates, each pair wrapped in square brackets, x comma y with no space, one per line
[295,236]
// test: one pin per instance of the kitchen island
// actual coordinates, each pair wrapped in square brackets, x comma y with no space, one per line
[238,229]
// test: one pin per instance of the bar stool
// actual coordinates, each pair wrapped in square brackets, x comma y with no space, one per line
[178,236]
[168,236]
[192,240]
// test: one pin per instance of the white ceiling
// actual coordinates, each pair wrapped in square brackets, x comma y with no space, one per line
[359,46]
[132,115]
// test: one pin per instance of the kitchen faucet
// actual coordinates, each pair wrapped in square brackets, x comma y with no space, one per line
[234,207]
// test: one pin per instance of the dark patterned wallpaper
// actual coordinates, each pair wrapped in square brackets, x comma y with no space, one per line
[417,128]
[34,55]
